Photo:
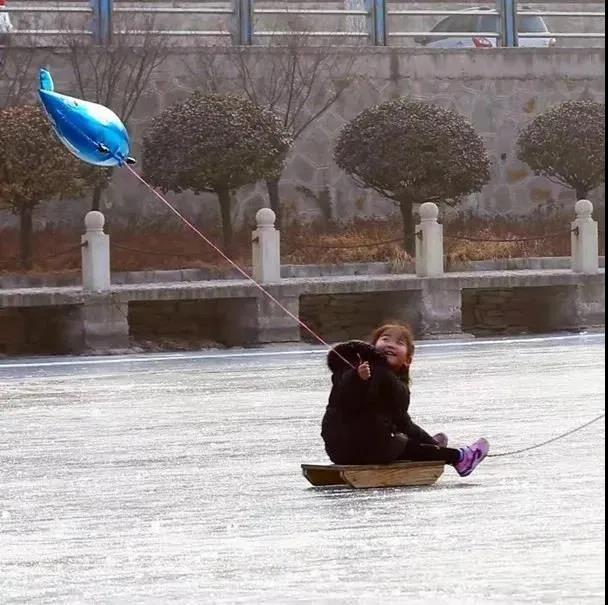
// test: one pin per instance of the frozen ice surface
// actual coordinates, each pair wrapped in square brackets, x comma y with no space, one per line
[175,478]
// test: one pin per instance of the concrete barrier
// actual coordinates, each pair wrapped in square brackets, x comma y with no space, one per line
[266,248]
[94,317]
[95,254]
[429,242]
[584,239]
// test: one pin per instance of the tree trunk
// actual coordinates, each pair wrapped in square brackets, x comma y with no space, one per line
[96,200]
[223,196]
[581,192]
[25,236]
[407,216]
[275,203]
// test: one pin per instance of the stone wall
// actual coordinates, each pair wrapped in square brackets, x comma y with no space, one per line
[193,324]
[74,278]
[345,316]
[158,325]
[499,90]
[485,312]
[488,312]
[175,324]
[179,317]
[36,330]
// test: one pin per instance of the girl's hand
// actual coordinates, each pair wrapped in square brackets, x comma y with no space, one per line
[364,371]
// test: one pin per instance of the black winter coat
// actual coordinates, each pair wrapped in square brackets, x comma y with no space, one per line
[363,416]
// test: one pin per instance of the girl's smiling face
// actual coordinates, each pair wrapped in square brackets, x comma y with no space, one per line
[395,347]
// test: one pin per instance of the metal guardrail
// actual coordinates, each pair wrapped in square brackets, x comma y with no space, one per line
[45,10]
[244,14]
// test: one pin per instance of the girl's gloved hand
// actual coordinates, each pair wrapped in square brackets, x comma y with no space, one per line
[364,371]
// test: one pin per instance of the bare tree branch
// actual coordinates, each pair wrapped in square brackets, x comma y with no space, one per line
[116,75]
[284,78]
[245,76]
[15,75]
[299,80]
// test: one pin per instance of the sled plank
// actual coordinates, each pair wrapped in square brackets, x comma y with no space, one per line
[401,474]
[318,475]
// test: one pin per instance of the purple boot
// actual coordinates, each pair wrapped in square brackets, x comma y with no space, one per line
[472,455]
[441,439]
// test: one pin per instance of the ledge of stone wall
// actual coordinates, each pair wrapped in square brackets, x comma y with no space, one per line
[72,278]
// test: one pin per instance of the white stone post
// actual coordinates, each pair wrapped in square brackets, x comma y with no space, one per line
[95,254]
[266,248]
[429,242]
[584,240]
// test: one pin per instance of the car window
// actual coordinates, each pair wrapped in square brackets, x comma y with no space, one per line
[443,25]
[528,24]
[467,23]
[488,23]
[5,23]
[462,23]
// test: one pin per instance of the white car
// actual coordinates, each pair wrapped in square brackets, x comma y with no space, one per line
[484,24]
[5,23]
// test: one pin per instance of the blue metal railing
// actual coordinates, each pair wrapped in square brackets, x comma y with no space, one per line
[245,20]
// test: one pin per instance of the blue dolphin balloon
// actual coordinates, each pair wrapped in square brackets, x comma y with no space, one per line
[92,132]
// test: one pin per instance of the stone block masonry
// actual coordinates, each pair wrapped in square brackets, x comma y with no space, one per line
[338,317]
[498,90]
[37,330]
[194,319]
[504,311]
[234,312]
[223,322]
[532,310]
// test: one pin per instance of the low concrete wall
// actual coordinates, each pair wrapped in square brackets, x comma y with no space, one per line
[234,312]
[73,278]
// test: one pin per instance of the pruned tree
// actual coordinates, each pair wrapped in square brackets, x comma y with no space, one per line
[35,167]
[413,152]
[299,80]
[216,144]
[16,75]
[566,144]
[117,75]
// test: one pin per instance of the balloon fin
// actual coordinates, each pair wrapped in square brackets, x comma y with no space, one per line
[46,81]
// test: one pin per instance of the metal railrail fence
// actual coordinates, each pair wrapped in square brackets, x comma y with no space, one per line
[244,16]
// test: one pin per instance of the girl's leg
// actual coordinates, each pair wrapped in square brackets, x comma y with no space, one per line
[423,452]
[464,460]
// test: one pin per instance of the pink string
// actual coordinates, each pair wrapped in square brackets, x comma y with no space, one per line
[233,264]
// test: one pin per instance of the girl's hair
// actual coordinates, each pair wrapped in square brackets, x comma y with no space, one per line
[400,331]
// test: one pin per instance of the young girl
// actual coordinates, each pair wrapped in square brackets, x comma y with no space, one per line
[367,420]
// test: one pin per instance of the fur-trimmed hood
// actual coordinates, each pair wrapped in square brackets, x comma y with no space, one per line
[353,352]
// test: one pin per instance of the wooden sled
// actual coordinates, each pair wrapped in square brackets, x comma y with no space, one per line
[374,475]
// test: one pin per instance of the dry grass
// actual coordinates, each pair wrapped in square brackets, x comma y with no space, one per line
[401,262]
[147,249]
[154,247]
[318,244]
[510,230]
